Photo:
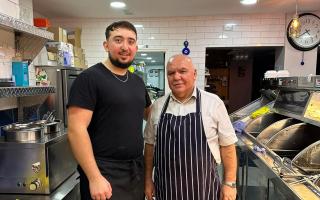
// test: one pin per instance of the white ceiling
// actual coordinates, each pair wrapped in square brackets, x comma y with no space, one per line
[165,8]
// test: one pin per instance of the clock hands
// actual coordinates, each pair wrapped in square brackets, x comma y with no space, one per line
[306,32]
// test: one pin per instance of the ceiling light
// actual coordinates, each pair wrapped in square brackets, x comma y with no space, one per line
[143,54]
[223,36]
[149,58]
[138,25]
[151,38]
[117,4]
[153,61]
[248,2]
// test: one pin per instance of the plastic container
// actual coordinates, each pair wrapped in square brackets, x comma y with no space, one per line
[20,73]
[283,73]
[271,74]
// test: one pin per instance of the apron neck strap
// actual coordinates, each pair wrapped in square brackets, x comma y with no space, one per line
[198,104]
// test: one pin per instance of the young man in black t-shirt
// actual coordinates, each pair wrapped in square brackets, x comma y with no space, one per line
[106,108]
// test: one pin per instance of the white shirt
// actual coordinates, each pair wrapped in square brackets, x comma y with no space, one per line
[216,121]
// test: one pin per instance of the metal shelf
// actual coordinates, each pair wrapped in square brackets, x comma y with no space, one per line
[59,67]
[20,26]
[6,92]
[29,40]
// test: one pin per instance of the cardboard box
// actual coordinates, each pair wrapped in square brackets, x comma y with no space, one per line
[74,37]
[60,34]
[77,62]
[10,8]
[77,51]
[26,11]
[64,36]
[52,56]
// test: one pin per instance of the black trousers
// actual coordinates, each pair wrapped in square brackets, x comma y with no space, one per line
[126,179]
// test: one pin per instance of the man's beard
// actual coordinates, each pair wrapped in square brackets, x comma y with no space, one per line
[117,63]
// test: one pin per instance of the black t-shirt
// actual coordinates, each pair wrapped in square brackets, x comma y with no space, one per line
[116,126]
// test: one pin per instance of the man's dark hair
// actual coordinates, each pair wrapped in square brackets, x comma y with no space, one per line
[120,24]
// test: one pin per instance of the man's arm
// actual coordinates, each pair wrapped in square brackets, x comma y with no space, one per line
[148,160]
[146,112]
[78,121]
[229,161]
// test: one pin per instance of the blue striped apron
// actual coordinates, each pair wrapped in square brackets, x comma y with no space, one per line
[184,166]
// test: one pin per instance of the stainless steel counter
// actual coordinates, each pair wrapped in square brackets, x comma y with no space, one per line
[278,149]
[68,190]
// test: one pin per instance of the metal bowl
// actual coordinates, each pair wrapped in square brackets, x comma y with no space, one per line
[22,134]
[49,126]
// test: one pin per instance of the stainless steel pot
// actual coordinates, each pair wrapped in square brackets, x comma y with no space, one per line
[49,126]
[16,133]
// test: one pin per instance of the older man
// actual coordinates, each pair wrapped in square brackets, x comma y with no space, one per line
[187,134]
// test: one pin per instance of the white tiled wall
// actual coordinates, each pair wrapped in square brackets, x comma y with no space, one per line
[201,32]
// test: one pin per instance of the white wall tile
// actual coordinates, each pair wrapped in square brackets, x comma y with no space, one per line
[177,36]
[201,32]
[271,34]
[195,35]
[250,34]
[150,30]
[169,42]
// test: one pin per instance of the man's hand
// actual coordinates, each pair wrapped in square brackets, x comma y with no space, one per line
[228,193]
[149,189]
[100,188]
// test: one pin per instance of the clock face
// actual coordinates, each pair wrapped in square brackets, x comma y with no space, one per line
[309,37]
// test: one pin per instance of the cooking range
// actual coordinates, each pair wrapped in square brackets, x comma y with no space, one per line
[282,137]
[35,158]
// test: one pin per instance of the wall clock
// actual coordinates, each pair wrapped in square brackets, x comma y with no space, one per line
[309,37]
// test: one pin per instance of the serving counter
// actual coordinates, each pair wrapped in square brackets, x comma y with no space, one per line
[279,136]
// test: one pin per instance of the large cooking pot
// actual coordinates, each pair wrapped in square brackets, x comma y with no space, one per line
[22,132]
[258,124]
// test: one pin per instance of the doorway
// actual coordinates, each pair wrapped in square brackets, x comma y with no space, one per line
[235,73]
[150,65]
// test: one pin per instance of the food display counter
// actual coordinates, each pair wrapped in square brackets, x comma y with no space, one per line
[279,139]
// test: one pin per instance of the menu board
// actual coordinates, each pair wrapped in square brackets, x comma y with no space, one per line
[313,108]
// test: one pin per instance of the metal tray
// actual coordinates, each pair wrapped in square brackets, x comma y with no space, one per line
[274,128]
[308,160]
[258,124]
[290,141]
